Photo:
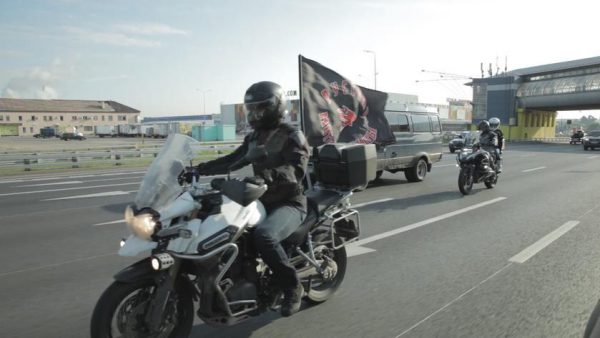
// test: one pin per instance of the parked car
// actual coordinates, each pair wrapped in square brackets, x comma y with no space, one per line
[592,140]
[465,139]
[72,136]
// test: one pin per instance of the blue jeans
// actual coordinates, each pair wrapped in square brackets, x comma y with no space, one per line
[278,225]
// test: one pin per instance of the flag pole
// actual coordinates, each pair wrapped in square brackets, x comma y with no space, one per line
[308,178]
[300,96]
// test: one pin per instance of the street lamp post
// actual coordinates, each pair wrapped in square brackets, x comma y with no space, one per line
[374,66]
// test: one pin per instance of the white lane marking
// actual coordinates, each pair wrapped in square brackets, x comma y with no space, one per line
[445,165]
[52,178]
[453,301]
[543,242]
[593,157]
[65,189]
[352,251]
[360,205]
[113,222]
[55,265]
[425,222]
[533,169]
[80,182]
[45,184]
[100,194]
[11,181]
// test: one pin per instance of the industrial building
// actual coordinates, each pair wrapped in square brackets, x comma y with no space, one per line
[25,117]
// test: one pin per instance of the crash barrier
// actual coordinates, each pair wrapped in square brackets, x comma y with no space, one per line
[78,159]
[543,140]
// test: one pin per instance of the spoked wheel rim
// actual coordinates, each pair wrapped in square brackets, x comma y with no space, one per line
[129,317]
[322,289]
[122,311]
[127,320]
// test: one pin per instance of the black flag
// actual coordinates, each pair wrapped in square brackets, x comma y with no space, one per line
[335,110]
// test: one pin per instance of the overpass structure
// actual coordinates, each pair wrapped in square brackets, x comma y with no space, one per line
[526,100]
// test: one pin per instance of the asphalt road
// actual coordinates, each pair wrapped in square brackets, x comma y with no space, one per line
[520,260]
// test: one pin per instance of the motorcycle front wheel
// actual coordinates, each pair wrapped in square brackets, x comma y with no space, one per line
[121,312]
[465,182]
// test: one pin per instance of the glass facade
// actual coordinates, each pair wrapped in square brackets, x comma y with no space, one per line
[563,85]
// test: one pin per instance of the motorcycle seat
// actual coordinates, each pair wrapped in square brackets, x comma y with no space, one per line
[322,199]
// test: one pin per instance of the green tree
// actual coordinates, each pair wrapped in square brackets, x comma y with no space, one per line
[593,126]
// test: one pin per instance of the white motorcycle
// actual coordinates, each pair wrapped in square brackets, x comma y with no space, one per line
[199,247]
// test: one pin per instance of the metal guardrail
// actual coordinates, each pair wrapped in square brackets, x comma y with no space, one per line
[546,140]
[76,159]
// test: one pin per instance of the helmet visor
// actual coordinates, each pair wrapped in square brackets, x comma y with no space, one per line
[255,111]
[259,106]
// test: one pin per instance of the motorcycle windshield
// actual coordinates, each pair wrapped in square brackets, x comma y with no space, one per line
[160,186]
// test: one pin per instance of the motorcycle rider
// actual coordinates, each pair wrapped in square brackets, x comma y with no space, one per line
[282,168]
[495,127]
[488,140]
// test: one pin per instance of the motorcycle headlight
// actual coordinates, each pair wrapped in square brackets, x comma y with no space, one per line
[142,225]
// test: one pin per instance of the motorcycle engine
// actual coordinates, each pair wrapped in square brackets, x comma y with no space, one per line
[242,277]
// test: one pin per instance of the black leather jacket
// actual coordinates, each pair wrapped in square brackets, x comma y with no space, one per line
[488,140]
[283,169]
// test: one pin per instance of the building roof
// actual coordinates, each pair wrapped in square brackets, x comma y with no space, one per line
[178,118]
[64,106]
[555,67]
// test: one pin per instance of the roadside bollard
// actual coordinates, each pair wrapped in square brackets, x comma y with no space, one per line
[75,161]
[27,163]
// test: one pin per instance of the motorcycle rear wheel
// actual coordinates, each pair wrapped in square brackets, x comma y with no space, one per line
[321,291]
[465,183]
[117,300]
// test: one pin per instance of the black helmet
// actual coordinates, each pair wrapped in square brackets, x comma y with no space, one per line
[494,123]
[265,105]
[483,126]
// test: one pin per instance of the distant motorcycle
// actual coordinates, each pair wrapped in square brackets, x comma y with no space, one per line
[476,166]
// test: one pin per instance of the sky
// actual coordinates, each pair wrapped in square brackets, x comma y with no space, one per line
[188,57]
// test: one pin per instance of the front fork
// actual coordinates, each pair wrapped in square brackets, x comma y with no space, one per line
[165,285]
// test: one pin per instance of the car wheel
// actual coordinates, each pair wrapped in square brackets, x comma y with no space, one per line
[585,148]
[418,172]
[452,150]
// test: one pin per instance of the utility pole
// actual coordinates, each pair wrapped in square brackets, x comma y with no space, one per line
[204,99]
[374,66]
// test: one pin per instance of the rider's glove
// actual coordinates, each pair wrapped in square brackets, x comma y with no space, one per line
[189,174]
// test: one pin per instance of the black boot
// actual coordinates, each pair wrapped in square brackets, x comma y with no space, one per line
[291,300]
